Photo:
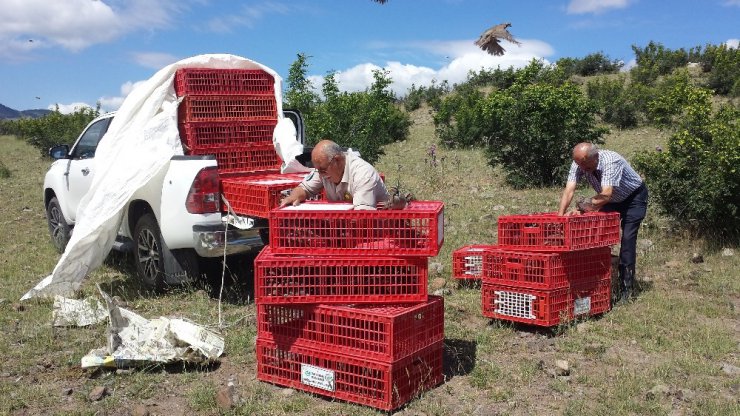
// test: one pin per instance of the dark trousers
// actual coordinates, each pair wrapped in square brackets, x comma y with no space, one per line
[632,211]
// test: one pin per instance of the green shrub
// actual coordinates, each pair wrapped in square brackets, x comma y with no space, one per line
[592,64]
[459,119]
[498,78]
[52,129]
[616,101]
[431,95]
[723,65]
[697,180]
[364,121]
[655,60]
[535,126]
[673,97]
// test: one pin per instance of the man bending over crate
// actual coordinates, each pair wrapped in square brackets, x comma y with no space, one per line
[344,177]
[618,188]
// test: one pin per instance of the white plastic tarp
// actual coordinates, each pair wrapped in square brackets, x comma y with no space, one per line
[139,143]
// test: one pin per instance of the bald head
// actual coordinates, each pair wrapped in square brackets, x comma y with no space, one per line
[329,160]
[586,155]
[325,150]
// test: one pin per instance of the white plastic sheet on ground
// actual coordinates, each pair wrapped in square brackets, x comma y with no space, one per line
[73,312]
[135,341]
[140,142]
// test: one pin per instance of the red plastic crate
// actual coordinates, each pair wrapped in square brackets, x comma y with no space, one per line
[257,194]
[214,135]
[379,332]
[195,108]
[280,279]
[468,261]
[384,386]
[545,307]
[210,81]
[337,229]
[244,159]
[538,270]
[552,232]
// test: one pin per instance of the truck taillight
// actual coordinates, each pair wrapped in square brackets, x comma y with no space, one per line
[205,194]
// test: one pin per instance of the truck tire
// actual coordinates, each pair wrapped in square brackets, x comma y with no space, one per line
[59,230]
[148,253]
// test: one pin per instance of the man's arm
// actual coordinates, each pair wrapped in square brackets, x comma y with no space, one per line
[297,195]
[603,198]
[567,197]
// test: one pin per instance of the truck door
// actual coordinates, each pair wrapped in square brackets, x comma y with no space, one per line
[81,167]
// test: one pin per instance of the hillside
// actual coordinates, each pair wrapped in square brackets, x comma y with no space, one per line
[673,351]
[7,113]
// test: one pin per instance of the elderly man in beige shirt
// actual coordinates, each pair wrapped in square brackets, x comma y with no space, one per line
[344,177]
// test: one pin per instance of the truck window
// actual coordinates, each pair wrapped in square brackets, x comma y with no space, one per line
[87,144]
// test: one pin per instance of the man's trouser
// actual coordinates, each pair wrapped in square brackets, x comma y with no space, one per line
[632,211]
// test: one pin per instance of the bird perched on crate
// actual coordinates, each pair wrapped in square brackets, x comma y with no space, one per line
[396,199]
[489,41]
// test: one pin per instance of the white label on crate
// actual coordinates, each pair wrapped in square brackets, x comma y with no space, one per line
[581,306]
[317,377]
[321,206]
[440,228]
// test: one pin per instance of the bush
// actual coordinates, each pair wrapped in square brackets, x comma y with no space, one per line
[459,119]
[592,64]
[673,97]
[364,121]
[723,65]
[431,95]
[697,180]
[616,102]
[52,129]
[655,60]
[534,128]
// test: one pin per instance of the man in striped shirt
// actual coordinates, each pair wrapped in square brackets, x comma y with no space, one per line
[618,189]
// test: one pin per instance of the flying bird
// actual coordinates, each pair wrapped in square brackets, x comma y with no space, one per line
[380,1]
[489,40]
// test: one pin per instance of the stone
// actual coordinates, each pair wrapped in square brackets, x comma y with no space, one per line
[442,292]
[659,390]
[438,283]
[436,267]
[727,252]
[730,369]
[224,398]
[97,393]
[499,208]
[562,368]
[139,410]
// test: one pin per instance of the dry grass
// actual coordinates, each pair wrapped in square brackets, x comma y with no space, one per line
[662,354]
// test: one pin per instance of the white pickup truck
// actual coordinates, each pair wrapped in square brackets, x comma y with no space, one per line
[168,224]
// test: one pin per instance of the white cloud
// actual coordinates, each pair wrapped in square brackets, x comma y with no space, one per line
[462,56]
[76,24]
[732,3]
[629,65]
[733,43]
[595,6]
[154,60]
[113,103]
[69,108]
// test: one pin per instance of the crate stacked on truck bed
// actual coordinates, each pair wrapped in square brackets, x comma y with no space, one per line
[546,269]
[231,114]
[342,302]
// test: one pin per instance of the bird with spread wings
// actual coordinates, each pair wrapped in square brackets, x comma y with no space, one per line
[489,41]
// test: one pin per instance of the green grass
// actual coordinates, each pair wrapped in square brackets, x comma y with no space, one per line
[677,333]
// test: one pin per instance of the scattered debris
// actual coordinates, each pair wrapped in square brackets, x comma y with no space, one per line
[134,341]
[499,207]
[727,252]
[73,312]
[730,369]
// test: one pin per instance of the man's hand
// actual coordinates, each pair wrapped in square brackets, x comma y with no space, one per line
[297,195]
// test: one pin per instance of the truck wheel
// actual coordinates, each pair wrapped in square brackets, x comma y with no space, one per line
[148,253]
[59,230]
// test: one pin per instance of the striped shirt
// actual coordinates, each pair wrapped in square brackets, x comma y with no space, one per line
[612,170]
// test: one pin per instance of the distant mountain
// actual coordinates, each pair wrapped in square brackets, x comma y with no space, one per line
[9,113]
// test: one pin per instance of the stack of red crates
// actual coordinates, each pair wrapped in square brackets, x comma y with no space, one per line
[343,308]
[232,113]
[546,269]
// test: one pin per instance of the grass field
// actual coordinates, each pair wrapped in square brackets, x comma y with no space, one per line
[674,350]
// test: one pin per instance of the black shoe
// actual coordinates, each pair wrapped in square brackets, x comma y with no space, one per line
[626,297]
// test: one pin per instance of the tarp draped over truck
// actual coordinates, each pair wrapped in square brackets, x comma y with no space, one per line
[139,143]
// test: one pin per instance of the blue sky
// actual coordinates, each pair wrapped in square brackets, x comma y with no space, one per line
[79,52]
